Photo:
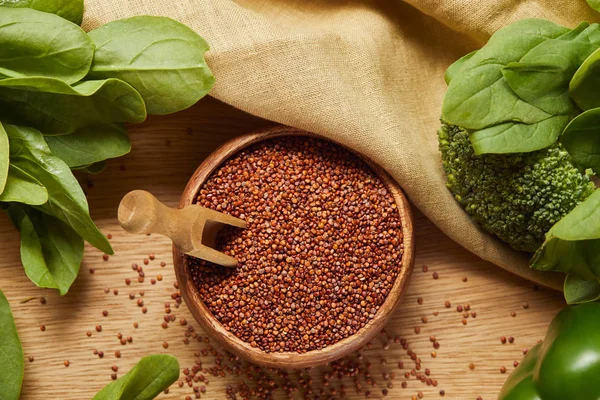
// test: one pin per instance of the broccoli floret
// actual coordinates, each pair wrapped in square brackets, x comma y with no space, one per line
[517,197]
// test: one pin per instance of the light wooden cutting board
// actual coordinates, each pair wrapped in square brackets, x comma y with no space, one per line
[165,153]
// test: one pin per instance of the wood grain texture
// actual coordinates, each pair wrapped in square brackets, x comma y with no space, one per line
[291,359]
[163,168]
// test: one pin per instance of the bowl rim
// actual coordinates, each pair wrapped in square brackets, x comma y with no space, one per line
[232,343]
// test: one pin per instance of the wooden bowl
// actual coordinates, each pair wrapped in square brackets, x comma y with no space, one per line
[290,359]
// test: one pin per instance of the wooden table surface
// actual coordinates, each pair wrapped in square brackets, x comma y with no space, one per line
[166,151]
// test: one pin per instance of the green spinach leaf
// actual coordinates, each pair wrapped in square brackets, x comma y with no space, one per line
[542,76]
[581,138]
[4,158]
[457,67]
[152,375]
[56,108]
[585,85]
[67,202]
[512,137]
[90,145]
[23,188]
[36,43]
[573,244]
[71,10]
[51,251]
[161,58]
[581,291]
[11,354]
[480,97]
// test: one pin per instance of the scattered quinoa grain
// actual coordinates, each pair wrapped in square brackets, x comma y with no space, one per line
[105,313]
[66,363]
[503,369]
[31,359]
[43,328]
[513,314]
[435,275]
[105,257]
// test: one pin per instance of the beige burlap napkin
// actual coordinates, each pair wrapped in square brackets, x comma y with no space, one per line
[367,73]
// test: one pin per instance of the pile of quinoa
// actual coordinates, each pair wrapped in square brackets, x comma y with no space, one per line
[321,252]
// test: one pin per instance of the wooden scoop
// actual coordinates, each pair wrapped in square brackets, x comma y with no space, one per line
[192,229]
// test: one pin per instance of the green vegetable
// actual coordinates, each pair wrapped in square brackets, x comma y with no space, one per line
[23,188]
[581,291]
[573,244]
[517,197]
[457,67]
[581,138]
[55,115]
[90,145]
[513,94]
[159,57]
[36,43]
[71,10]
[586,82]
[51,251]
[480,97]
[4,158]
[67,202]
[518,97]
[149,378]
[542,76]
[566,365]
[513,137]
[56,108]
[11,354]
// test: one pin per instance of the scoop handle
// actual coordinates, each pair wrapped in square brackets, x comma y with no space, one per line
[141,212]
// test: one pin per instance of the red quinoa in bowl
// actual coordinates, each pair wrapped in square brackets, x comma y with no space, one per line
[321,252]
